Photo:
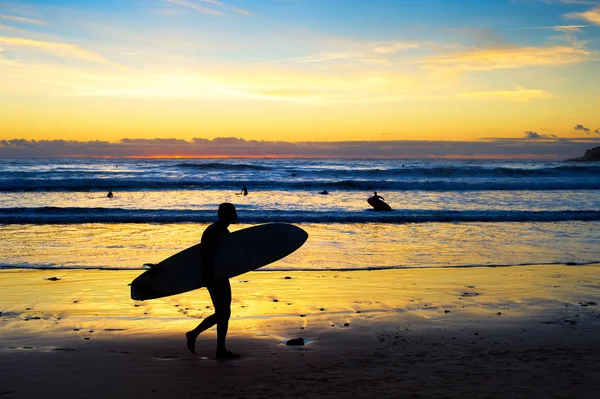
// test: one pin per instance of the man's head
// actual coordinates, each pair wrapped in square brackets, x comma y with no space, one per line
[227,213]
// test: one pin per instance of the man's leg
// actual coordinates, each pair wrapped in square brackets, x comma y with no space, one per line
[221,298]
[213,290]
[203,326]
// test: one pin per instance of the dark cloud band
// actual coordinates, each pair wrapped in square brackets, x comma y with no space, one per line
[534,145]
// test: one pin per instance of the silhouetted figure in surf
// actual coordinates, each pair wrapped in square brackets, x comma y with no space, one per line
[244,191]
[219,290]
[324,192]
[110,194]
[377,202]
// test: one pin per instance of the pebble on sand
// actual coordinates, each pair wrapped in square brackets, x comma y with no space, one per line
[295,342]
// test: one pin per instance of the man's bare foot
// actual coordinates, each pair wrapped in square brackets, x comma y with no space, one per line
[227,355]
[191,341]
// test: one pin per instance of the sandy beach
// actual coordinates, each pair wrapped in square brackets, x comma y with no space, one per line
[522,332]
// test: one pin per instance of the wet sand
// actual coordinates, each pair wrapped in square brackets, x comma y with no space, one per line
[478,332]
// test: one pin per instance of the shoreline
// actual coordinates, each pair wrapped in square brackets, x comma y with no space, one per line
[531,331]
[265,269]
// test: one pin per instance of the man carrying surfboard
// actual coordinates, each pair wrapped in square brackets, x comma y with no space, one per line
[219,290]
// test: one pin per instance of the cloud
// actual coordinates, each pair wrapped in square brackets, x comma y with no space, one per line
[491,58]
[393,47]
[592,15]
[227,7]
[369,53]
[592,2]
[521,94]
[527,147]
[56,48]
[196,7]
[560,28]
[11,28]
[582,129]
[206,10]
[325,57]
[539,136]
[569,28]
[22,19]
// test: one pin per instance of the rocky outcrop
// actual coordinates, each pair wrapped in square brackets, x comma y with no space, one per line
[590,155]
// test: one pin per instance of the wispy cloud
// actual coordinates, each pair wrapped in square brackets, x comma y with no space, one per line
[201,6]
[569,28]
[196,7]
[11,28]
[57,48]
[592,16]
[22,19]
[589,2]
[486,59]
[369,53]
[227,7]
[4,61]
[393,47]
[520,94]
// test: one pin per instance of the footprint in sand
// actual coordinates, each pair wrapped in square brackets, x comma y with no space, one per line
[167,357]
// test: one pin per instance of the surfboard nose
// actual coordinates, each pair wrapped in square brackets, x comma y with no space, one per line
[136,293]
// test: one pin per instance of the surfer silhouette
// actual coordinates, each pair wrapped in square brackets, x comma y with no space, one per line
[244,191]
[110,194]
[219,290]
[377,202]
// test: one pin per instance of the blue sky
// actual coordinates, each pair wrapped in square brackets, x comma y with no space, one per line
[299,70]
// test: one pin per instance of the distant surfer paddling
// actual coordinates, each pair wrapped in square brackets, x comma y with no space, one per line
[219,290]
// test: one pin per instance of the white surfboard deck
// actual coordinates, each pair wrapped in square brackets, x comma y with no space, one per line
[236,253]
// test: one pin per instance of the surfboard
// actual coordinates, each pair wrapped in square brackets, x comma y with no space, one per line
[378,204]
[236,253]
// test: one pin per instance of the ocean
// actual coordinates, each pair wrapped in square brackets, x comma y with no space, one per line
[54,213]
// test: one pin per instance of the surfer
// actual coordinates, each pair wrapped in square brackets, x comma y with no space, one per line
[110,194]
[377,202]
[219,290]
[244,191]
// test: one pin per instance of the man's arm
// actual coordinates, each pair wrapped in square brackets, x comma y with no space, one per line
[207,255]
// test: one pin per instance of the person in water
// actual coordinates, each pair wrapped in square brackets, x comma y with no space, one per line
[377,197]
[244,191]
[219,289]
[110,194]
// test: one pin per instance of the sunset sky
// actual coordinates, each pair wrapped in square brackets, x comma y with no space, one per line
[299,70]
